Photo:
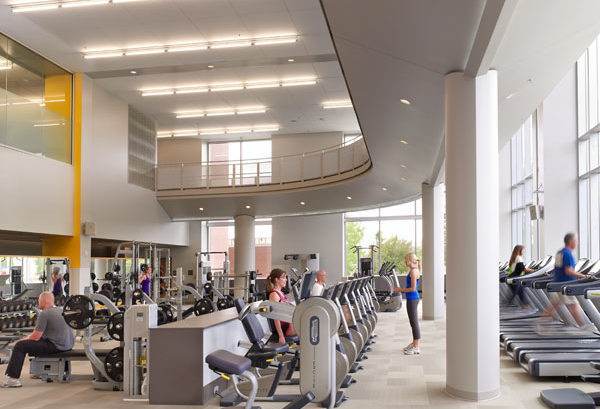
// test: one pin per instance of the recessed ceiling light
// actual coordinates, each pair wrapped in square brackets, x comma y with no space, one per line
[384,189]
[191,46]
[291,60]
[403,166]
[247,206]
[403,179]
[403,141]
[302,203]
[218,131]
[405,101]
[349,197]
[211,66]
[201,209]
[511,95]
[227,86]
[133,72]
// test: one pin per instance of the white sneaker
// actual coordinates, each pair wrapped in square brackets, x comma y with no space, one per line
[409,346]
[11,383]
[412,351]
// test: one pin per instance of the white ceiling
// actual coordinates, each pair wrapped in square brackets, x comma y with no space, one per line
[388,50]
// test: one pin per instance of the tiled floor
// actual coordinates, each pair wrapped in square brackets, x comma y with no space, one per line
[389,380]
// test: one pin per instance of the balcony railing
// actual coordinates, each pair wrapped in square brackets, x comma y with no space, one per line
[335,163]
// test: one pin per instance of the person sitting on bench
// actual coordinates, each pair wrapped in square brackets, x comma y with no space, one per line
[50,336]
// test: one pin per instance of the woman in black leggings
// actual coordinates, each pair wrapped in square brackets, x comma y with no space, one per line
[412,301]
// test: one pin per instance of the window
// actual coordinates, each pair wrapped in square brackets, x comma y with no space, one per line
[523,187]
[396,230]
[35,102]
[221,238]
[253,161]
[32,268]
[588,151]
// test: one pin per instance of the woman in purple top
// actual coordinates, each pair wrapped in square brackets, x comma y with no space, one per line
[275,282]
[57,289]
[144,278]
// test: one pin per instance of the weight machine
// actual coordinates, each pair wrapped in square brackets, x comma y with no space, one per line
[366,265]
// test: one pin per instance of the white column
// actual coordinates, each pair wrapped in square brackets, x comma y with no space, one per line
[433,252]
[244,249]
[472,360]
[79,278]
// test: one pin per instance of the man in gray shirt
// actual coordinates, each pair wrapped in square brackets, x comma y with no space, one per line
[50,336]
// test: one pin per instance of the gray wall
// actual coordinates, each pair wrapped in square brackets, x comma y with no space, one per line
[185,257]
[560,162]
[311,234]
[120,210]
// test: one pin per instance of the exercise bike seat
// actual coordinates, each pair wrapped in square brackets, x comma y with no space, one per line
[568,398]
[228,362]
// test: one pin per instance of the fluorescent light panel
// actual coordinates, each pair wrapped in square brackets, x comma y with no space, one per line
[337,104]
[51,5]
[188,89]
[191,46]
[218,131]
[221,112]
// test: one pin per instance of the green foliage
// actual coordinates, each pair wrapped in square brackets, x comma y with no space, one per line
[394,249]
[354,234]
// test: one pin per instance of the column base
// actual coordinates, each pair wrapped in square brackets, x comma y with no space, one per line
[472,396]
[432,317]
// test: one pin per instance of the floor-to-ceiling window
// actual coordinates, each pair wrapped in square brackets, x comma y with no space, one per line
[588,74]
[221,236]
[395,230]
[525,209]
[243,161]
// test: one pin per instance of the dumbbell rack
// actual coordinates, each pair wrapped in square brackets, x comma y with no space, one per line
[17,314]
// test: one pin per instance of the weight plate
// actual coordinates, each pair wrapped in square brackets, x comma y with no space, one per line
[95,287]
[79,312]
[168,311]
[113,364]
[116,268]
[66,277]
[108,276]
[107,287]
[161,318]
[209,276]
[137,295]
[67,289]
[203,306]
[93,276]
[115,281]
[116,326]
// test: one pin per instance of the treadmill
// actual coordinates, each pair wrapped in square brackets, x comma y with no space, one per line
[569,363]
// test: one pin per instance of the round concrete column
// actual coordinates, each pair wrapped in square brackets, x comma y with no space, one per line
[244,250]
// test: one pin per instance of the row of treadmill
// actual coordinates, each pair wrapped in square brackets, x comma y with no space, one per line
[555,347]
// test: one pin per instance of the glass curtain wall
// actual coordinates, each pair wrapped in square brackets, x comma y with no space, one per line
[35,103]
[524,192]
[396,230]
[244,161]
[588,121]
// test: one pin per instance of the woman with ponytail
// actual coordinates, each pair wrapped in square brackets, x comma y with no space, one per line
[274,285]
[412,301]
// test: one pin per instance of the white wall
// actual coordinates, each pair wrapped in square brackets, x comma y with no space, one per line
[311,234]
[174,150]
[560,163]
[185,257]
[504,196]
[120,210]
[37,194]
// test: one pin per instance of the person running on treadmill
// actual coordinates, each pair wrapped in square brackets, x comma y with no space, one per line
[319,285]
[412,301]
[564,270]
[50,336]
[274,284]
[517,269]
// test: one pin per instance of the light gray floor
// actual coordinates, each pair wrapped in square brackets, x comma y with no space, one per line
[389,380]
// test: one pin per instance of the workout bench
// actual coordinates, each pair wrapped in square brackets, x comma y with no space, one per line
[57,367]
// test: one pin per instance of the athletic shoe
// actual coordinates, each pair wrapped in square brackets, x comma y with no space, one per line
[409,346]
[412,351]
[11,383]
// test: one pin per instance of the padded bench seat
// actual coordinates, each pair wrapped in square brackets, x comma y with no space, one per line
[228,362]
[57,367]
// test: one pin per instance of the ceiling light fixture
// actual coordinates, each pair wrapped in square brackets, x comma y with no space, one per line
[211,66]
[201,209]
[405,101]
[403,179]
[51,124]
[221,112]
[218,131]
[49,5]
[231,86]
[349,197]
[191,46]
[133,72]
[384,189]
[291,60]
[403,166]
[6,65]
[248,206]
[302,203]
[512,95]
[337,104]
[403,142]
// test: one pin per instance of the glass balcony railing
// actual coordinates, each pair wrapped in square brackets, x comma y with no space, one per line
[339,162]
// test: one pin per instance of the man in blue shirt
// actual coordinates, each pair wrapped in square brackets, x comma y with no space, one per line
[564,270]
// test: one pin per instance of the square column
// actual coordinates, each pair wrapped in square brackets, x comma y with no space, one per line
[472,311]
[433,252]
